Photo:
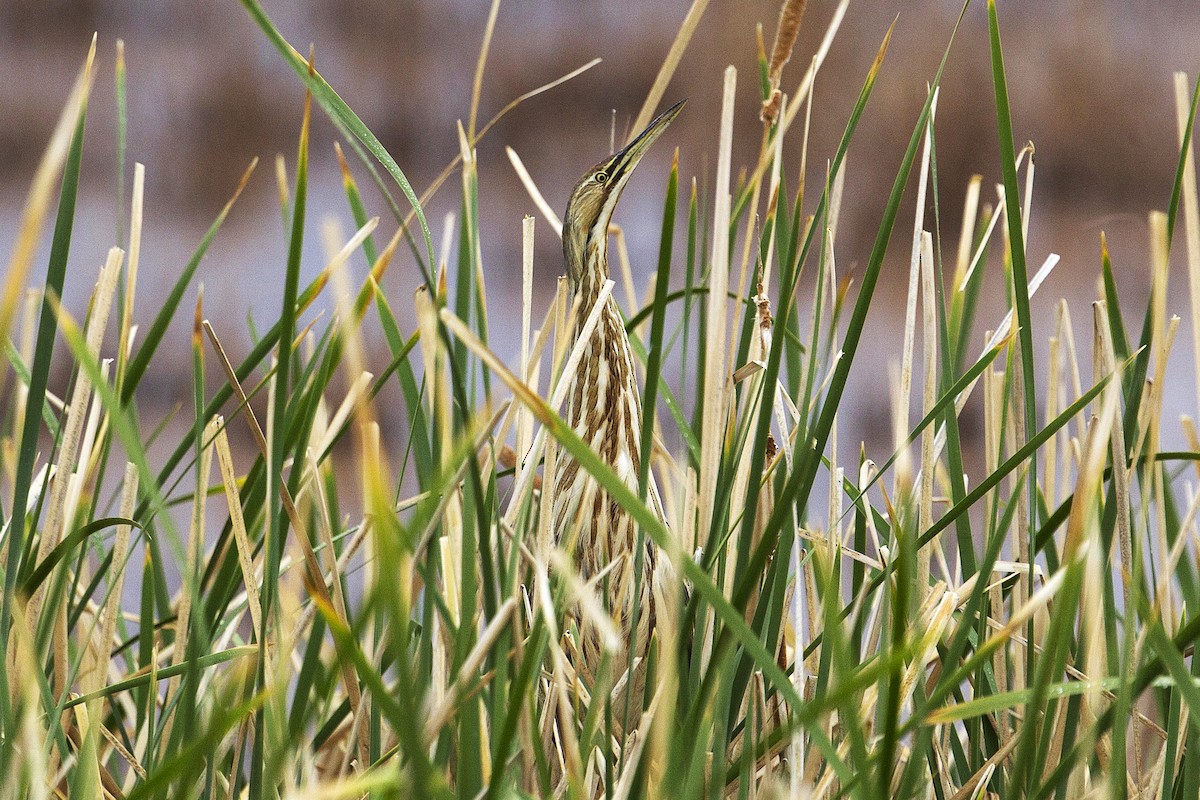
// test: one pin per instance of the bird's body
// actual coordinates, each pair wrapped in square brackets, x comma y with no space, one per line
[604,407]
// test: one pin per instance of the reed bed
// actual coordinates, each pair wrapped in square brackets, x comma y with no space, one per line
[845,628]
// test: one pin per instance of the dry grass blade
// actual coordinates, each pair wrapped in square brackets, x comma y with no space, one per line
[534,193]
[442,713]
[525,420]
[131,265]
[670,63]
[1191,215]
[56,509]
[481,64]
[716,359]
[929,334]
[120,554]
[245,548]
[903,388]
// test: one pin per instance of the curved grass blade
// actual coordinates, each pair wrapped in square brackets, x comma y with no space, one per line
[32,581]
[336,108]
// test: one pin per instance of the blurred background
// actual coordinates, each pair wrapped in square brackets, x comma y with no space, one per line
[1089,80]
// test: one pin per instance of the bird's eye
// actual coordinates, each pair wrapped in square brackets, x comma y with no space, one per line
[601,176]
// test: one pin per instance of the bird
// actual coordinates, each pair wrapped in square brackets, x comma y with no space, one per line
[604,407]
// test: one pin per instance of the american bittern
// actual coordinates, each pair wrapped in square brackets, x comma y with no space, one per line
[605,409]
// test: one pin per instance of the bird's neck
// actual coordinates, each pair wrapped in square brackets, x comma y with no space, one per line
[588,272]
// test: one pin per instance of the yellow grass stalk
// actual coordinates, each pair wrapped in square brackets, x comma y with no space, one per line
[1191,216]
[372,460]
[1065,332]
[282,189]
[1189,435]
[904,392]
[1163,332]
[550,457]
[31,740]
[131,266]
[670,63]
[992,409]
[799,635]
[688,514]
[967,234]
[76,414]
[88,454]
[433,354]
[935,614]
[1050,448]
[976,785]
[59,507]
[997,212]
[449,705]
[534,193]
[332,236]
[837,474]
[1106,365]
[1020,532]
[450,589]
[524,418]
[715,362]
[355,395]
[1082,542]
[116,578]
[325,532]
[241,538]
[541,337]
[632,756]
[1026,209]
[929,335]
[902,471]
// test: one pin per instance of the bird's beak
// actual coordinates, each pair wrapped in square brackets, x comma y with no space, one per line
[624,161]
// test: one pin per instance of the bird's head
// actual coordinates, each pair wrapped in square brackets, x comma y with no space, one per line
[585,225]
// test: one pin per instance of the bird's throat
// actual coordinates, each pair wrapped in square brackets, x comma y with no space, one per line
[588,275]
